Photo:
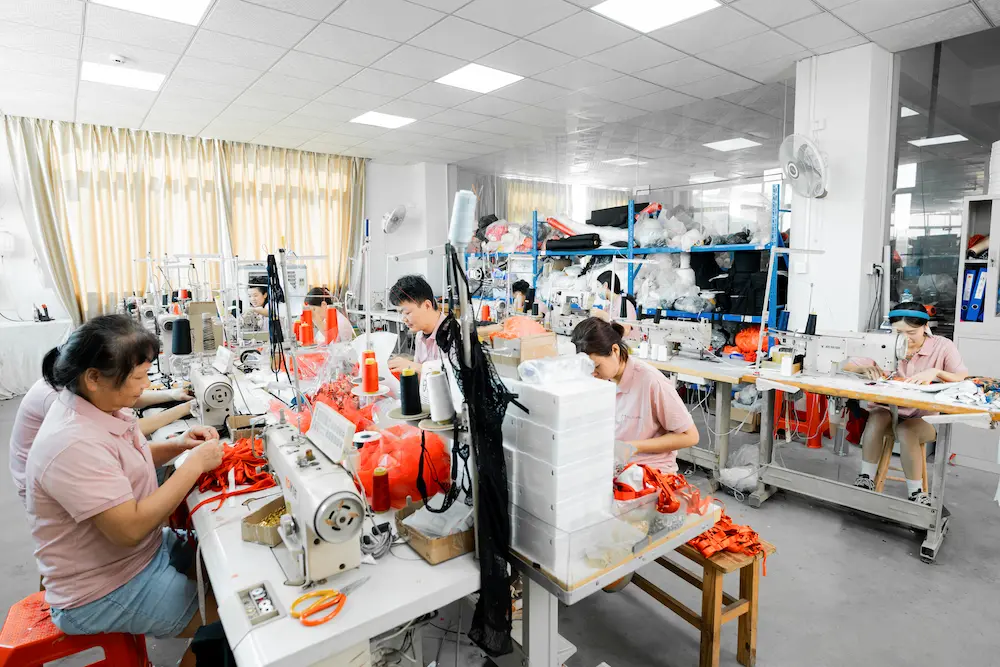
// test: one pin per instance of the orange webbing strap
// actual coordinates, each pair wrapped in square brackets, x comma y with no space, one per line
[728,536]
[669,486]
[246,460]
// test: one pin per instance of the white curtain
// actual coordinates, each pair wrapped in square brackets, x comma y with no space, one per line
[549,199]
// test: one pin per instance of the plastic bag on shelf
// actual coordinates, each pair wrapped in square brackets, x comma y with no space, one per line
[692,304]
[556,369]
[650,232]
[495,231]
[398,451]
[456,519]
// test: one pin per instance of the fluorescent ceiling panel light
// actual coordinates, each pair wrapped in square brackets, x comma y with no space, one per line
[934,141]
[116,75]
[623,162]
[906,112]
[906,175]
[731,145]
[649,15]
[479,79]
[382,120]
[705,178]
[181,11]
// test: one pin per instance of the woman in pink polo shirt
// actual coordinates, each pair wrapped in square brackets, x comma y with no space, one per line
[652,422]
[929,358]
[96,514]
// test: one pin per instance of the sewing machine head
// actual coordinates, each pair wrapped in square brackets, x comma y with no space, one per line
[214,393]
[674,334]
[570,309]
[829,351]
[323,527]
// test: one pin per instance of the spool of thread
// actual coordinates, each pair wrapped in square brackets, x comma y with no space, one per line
[181,341]
[439,396]
[463,218]
[534,310]
[380,490]
[486,312]
[307,317]
[644,350]
[307,333]
[783,320]
[184,294]
[365,438]
[663,353]
[811,325]
[366,355]
[297,330]
[369,376]
[332,331]
[409,393]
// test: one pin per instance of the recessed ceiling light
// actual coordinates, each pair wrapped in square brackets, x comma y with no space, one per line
[623,162]
[115,75]
[705,178]
[649,15]
[382,120]
[906,175]
[182,11]
[934,141]
[906,112]
[478,78]
[731,144]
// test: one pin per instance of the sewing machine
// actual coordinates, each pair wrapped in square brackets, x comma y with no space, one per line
[322,529]
[674,334]
[165,325]
[570,309]
[828,352]
[214,394]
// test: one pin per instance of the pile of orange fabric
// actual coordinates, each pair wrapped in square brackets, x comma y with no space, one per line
[728,536]
[746,344]
[518,326]
[671,489]
[246,460]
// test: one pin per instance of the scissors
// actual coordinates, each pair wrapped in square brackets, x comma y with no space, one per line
[324,599]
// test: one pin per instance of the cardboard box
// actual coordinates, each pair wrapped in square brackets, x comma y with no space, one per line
[737,415]
[434,550]
[239,427]
[252,531]
[508,354]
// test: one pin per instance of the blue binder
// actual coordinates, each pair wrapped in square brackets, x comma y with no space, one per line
[976,302]
[967,286]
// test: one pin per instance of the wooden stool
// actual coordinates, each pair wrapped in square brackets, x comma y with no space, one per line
[717,607]
[882,474]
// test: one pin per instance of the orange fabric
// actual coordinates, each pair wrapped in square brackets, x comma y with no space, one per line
[671,487]
[246,460]
[398,451]
[728,536]
[518,326]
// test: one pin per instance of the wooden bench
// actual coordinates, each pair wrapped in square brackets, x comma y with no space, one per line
[717,607]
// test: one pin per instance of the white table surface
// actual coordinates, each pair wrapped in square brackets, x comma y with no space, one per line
[22,346]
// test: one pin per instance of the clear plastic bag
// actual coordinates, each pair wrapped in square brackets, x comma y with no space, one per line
[556,369]
[650,233]
[456,519]
[692,304]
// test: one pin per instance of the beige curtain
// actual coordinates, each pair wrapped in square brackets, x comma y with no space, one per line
[104,197]
[302,201]
[549,199]
[598,198]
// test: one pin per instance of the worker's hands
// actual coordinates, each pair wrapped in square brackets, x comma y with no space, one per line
[196,436]
[400,364]
[624,451]
[872,372]
[206,457]
[180,394]
[923,377]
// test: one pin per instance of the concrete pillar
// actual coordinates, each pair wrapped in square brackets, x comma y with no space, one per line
[845,102]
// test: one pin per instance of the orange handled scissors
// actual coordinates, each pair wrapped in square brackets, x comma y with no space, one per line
[323,600]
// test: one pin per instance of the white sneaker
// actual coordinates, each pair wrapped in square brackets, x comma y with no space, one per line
[921,498]
[865,482]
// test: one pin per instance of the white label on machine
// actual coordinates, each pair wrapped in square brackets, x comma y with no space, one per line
[223,358]
[331,432]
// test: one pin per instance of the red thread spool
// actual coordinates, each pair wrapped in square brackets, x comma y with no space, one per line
[307,317]
[366,355]
[296,328]
[486,313]
[380,490]
[306,332]
[184,294]
[369,377]
[332,332]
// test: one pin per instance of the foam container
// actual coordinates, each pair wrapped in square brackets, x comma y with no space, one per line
[558,447]
[564,405]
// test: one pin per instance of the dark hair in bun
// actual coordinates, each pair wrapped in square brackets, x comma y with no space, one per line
[595,336]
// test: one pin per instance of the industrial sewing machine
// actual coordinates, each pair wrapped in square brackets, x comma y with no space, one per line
[214,394]
[570,309]
[828,352]
[673,335]
[322,529]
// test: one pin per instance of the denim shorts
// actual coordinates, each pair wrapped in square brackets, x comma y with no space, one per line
[159,601]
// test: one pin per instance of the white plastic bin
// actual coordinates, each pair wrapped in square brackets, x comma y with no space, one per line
[564,405]
[559,447]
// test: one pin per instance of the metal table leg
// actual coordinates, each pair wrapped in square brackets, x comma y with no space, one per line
[723,413]
[541,625]
[764,491]
[936,533]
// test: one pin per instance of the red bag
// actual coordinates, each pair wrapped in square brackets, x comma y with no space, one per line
[399,452]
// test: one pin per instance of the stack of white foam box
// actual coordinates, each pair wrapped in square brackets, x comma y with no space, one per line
[560,466]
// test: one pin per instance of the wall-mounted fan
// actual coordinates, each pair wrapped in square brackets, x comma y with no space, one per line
[393,219]
[803,166]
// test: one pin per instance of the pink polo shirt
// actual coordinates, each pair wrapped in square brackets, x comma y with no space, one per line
[936,352]
[425,347]
[83,462]
[647,406]
[30,414]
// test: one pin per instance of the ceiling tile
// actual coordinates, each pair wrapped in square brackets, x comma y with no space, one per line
[583,34]
[94,95]
[382,83]
[818,30]
[478,136]
[869,15]
[261,24]
[529,91]
[572,102]
[361,131]
[340,138]
[678,72]
[666,99]
[578,74]
[137,57]
[279,84]
[313,122]
[64,15]
[257,98]
[460,38]
[774,13]
[324,147]
[427,128]
[187,107]
[517,17]
[357,99]
[717,85]
[708,30]
[833,4]
[349,46]
[438,93]
[457,118]
[173,125]
[778,69]
[622,89]
[636,54]
[286,136]
[408,109]
[393,19]
[537,116]
[934,28]
[12,60]
[248,114]
[857,40]
[447,6]
[752,50]
[221,48]
[314,68]
[331,112]
[233,130]
[992,9]
[524,58]
[312,9]
[490,106]
[39,40]
[38,105]
[418,63]
[129,28]
[218,91]
[205,70]
[111,116]
[42,86]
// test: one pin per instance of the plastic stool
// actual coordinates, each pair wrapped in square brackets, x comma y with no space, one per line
[814,423]
[30,639]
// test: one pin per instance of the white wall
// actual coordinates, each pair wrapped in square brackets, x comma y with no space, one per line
[424,190]
[844,101]
[22,281]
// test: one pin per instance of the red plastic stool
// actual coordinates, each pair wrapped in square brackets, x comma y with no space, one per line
[30,639]
[814,423]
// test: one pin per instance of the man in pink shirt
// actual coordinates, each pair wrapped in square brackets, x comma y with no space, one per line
[415,299]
